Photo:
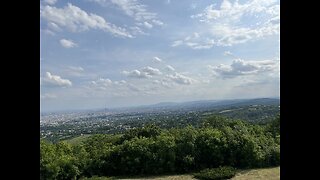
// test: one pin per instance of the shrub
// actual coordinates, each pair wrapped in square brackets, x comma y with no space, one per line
[220,173]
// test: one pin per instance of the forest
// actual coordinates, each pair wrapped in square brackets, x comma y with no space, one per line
[150,150]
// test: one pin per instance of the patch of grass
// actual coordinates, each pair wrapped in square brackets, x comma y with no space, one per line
[219,173]
[162,177]
[77,140]
[253,174]
[250,174]
[97,178]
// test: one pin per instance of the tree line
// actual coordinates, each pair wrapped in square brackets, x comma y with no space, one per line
[218,141]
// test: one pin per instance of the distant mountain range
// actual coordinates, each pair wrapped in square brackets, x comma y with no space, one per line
[201,104]
[261,101]
[190,105]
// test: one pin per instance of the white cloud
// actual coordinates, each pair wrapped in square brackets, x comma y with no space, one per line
[151,71]
[230,35]
[233,12]
[136,10]
[101,84]
[135,30]
[105,84]
[135,74]
[157,22]
[180,79]
[177,43]
[54,27]
[195,42]
[170,68]
[55,80]
[146,72]
[67,43]
[157,59]
[148,25]
[240,67]
[51,2]
[75,19]
[234,23]
[227,53]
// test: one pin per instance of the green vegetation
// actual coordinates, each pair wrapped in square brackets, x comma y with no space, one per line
[77,140]
[254,112]
[150,150]
[219,173]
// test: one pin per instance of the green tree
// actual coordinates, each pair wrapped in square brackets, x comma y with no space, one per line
[210,146]
[274,126]
[185,148]
[49,168]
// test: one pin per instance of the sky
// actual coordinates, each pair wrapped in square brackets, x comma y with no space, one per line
[120,53]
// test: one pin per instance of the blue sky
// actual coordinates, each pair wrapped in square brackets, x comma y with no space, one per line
[115,53]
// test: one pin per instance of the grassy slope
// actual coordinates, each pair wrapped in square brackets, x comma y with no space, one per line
[266,173]
[253,174]
[77,140]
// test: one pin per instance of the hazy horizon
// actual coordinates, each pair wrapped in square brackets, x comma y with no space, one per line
[126,53]
[141,105]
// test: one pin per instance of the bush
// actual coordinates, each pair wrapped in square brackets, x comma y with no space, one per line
[220,173]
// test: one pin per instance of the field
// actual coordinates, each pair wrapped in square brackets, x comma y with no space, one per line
[252,174]
[266,173]
[77,140]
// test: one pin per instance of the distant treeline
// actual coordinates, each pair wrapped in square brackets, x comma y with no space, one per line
[218,141]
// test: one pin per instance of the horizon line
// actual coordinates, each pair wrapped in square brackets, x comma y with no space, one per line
[145,105]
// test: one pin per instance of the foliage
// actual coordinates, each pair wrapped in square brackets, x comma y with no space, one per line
[57,161]
[216,173]
[150,130]
[274,126]
[219,141]
[185,148]
[210,146]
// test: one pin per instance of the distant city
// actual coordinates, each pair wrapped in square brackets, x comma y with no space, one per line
[57,126]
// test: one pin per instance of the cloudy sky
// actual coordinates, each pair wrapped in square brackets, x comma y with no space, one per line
[115,53]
